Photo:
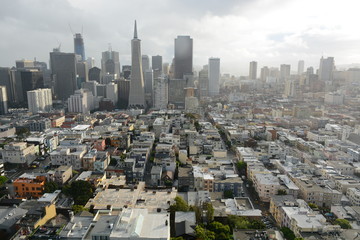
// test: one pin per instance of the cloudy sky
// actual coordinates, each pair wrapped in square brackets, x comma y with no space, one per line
[270,32]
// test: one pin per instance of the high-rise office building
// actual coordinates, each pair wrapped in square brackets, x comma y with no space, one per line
[90,62]
[214,76]
[3,101]
[123,90]
[183,61]
[24,63]
[7,80]
[63,68]
[95,74]
[39,100]
[284,72]
[126,71]
[301,65]
[145,61]
[204,81]
[79,48]
[326,69]
[27,80]
[149,81]
[264,73]
[110,62]
[176,92]
[161,97]
[253,70]
[156,63]
[137,92]
[82,73]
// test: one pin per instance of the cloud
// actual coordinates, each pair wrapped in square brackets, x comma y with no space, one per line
[271,32]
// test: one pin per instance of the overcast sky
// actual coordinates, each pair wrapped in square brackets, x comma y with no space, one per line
[270,32]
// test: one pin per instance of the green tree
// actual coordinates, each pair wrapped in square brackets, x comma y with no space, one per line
[344,224]
[288,234]
[81,191]
[241,165]
[50,187]
[179,205]
[313,206]
[228,194]
[281,192]
[113,162]
[203,234]
[3,180]
[221,231]
[177,238]
[208,207]
[237,222]
[78,208]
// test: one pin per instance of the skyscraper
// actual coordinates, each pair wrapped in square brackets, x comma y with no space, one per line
[3,101]
[253,70]
[110,62]
[161,97]
[137,92]
[7,80]
[148,81]
[27,80]
[183,60]
[63,67]
[301,65]
[284,72]
[214,76]
[265,72]
[145,62]
[326,69]
[39,100]
[156,63]
[79,48]
[204,81]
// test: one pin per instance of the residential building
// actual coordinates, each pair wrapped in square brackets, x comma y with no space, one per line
[19,153]
[29,186]
[39,100]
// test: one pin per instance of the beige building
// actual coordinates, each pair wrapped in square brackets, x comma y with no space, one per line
[19,153]
[266,185]
[353,194]
[69,156]
[63,174]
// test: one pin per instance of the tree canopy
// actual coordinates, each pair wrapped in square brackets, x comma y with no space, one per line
[81,191]
[179,205]
[344,224]
[288,234]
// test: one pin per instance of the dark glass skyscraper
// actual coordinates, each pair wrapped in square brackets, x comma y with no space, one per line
[183,56]
[79,48]
[63,68]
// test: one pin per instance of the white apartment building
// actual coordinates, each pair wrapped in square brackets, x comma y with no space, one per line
[68,156]
[39,100]
[266,185]
[81,102]
[19,153]
[353,195]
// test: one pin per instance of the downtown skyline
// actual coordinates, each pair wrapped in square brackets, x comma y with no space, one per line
[269,32]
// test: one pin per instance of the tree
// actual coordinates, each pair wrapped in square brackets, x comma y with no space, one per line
[179,205]
[81,191]
[221,231]
[113,162]
[177,238]
[228,194]
[288,234]
[78,208]
[237,222]
[208,207]
[50,187]
[203,234]
[281,192]
[313,206]
[241,166]
[344,224]
[3,180]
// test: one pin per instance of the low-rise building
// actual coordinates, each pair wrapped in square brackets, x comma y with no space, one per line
[266,185]
[353,194]
[29,186]
[19,153]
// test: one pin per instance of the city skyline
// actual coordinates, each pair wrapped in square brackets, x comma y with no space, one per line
[269,32]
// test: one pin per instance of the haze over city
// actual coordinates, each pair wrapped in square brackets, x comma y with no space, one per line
[270,32]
